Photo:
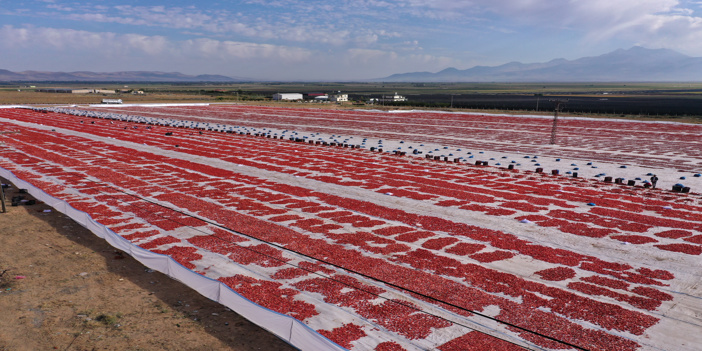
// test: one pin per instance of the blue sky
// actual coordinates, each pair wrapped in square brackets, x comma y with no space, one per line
[331,40]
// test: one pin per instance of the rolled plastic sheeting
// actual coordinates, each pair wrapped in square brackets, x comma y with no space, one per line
[285,327]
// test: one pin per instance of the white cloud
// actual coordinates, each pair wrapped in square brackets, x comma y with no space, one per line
[367,38]
[650,23]
[368,56]
[62,39]
[654,23]
[584,13]
[681,33]
[151,45]
[158,47]
[142,16]
[105,51]
[316,27]
[209,48]
[379,62]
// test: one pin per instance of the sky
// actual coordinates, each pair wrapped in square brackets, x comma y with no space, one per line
[331,40]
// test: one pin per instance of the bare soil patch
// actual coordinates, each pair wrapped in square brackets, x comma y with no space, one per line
[64,288]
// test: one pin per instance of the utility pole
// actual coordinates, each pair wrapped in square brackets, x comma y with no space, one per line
[559,104]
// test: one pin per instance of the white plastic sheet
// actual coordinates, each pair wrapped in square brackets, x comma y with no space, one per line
[287,328]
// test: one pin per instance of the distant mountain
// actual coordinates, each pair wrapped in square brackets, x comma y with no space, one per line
[129,76]
[633,65]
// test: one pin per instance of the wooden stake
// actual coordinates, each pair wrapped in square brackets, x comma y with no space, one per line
[2,198]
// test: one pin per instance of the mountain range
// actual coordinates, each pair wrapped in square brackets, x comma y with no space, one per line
[636,64]
[129,76]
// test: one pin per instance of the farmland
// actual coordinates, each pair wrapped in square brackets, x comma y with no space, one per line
[375,250]
[659,101]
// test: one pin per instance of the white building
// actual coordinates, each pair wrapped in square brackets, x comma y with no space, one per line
[393,98]
[339,97]
[387,98]
[287,96]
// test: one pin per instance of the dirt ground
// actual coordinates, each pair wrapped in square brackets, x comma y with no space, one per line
[64,288]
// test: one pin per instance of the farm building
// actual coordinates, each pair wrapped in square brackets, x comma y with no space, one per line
[315,96]
[339,97]
[287,96]
[387,98]
[393,98]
